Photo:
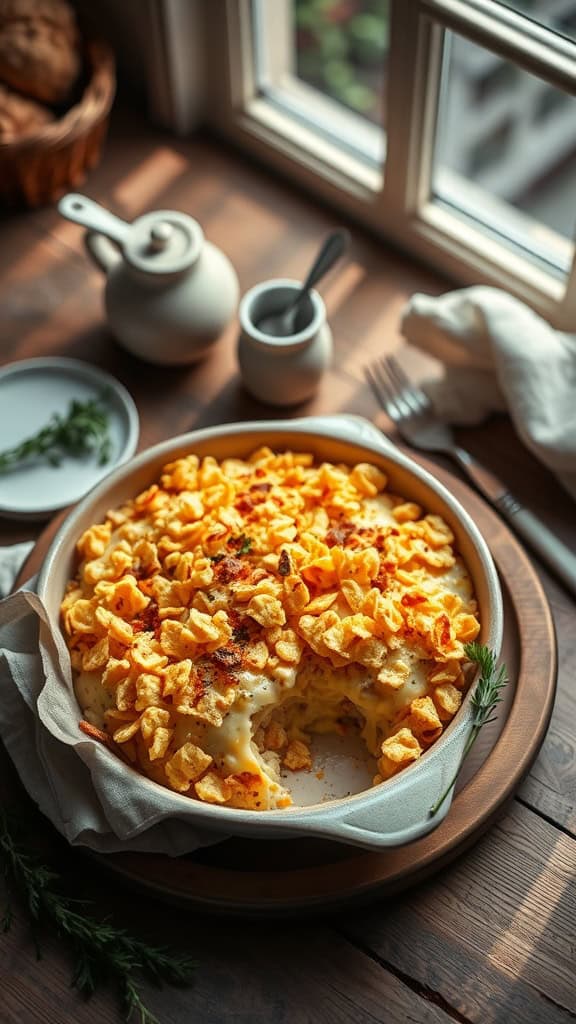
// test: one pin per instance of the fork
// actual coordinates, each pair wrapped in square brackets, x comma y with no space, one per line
[411,411]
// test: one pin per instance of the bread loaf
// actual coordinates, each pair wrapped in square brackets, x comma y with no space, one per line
[39,48]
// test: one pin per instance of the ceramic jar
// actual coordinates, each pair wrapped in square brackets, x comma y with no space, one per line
[283,370]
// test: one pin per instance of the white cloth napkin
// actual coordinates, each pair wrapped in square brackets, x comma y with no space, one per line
[88,794]
[498,356]
[11,558]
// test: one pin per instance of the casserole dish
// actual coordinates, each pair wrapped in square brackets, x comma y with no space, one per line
[398,810]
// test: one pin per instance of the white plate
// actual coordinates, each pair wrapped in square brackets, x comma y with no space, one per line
[31,391]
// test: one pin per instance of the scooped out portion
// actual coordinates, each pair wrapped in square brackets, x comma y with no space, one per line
[234,609]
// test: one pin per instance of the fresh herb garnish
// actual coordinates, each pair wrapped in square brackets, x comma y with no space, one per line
[486,696]
[240,544]
[102,952]
[82,431]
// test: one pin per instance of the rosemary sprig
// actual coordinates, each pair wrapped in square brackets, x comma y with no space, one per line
[102,952]
[486,696]
[82,431]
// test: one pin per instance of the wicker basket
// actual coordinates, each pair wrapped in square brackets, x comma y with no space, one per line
[40,167]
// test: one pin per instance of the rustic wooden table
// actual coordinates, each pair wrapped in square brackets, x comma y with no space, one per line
[491,937]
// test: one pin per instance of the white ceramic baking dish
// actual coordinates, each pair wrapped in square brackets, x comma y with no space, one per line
[398,810]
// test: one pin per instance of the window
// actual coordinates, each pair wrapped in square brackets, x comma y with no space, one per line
[342,51]
[505,153]
[323,63]
[448,126]
[557,14]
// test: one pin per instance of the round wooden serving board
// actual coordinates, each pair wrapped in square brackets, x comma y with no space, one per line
[288,876]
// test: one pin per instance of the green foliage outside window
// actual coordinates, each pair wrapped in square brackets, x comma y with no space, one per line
[341,48]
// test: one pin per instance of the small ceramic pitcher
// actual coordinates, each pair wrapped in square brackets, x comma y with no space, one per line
[169,293]
[285,370]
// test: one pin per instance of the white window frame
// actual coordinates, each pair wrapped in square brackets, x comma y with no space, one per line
[396,204]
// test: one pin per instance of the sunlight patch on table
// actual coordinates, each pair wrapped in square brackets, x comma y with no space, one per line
[341,286]
[145,184]
[517,946]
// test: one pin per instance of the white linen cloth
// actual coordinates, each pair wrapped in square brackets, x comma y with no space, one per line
[499,356]
[88,793]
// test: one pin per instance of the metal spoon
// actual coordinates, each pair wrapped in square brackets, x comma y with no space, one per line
[281,325]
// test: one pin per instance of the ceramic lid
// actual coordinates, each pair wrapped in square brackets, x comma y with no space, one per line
[160,242]
[163,242]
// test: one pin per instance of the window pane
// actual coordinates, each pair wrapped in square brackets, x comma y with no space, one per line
[506,152]
[557,14]
[323,62]
[341,49]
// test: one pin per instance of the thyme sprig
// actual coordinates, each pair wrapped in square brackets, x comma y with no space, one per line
[486,697]
[83,430]
[102,952]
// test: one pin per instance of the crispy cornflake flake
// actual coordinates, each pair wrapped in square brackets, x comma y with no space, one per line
[354,595]
[321,603]
[296,595]
[177,676]
[126,732]
[160,742]
[398,751]
[423,720]
[202,627]
[446,672]
[116,670]
[268,611]
[297,756]
[81,617]
[248,789]
[256,655]
[447,700]
[466,628]
[94,541]
[289,647]
[126,695]
[122,597]
[212,706]
[186,766]
[269,589]
[393,674]
[114,625]
[212,789]
[408,512]
[368,479]
[97,656]
[148,691]
[153,719]
[177,641]
[145,652]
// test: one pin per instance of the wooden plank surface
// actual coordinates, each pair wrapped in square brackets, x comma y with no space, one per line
[492,937]
[494,934]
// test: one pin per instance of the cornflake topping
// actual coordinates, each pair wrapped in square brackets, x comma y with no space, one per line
[233,609]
